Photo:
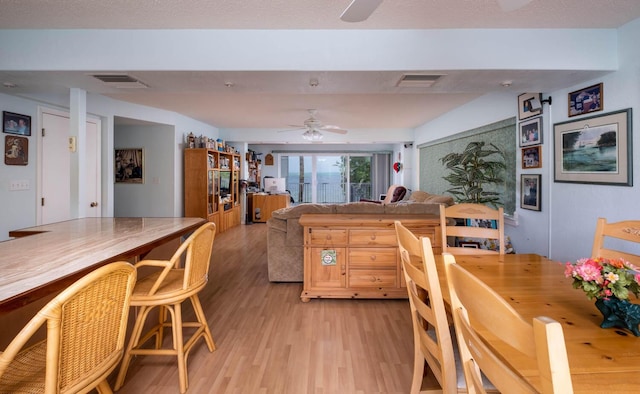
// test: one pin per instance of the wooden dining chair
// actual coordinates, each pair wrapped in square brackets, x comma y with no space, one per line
[621,235]
[174,281]
[481,317]
[84,341]
[431,334]
[481,215]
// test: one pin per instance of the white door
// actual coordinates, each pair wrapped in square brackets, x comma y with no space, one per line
[55,168]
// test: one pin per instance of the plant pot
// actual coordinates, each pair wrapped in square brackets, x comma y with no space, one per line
[619,313]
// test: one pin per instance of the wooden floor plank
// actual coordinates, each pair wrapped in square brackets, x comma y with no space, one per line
[268,341]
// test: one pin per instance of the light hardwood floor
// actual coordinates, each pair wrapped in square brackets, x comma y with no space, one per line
[268,341]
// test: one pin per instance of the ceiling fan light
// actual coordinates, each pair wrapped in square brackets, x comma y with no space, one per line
[312,135]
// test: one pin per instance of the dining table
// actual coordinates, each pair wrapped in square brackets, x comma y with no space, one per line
[42,260]
[602,360]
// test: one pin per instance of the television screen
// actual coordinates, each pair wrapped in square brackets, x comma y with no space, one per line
[274,185]
[225,182]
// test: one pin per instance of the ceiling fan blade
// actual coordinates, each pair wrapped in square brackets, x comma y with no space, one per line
[512,5]
[297,128]
[359,10]
[333,129]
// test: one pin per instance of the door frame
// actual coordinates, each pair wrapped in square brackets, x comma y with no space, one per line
[39,152]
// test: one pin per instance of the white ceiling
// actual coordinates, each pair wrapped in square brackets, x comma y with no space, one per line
[263,99]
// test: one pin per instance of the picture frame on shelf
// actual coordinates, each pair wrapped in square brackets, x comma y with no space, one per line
[530,191]
[529,105]
[469,244]
[530,132]
[13,123]
[129,165]
[587,100]
[595,150]
[532,157]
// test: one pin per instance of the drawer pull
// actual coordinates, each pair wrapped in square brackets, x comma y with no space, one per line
[372,257]
[373,237]
[328,237]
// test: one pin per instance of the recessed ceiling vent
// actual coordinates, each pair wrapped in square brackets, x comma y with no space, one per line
[418,80]
[121,81]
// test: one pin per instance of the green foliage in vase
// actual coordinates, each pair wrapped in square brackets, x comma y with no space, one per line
[473,170]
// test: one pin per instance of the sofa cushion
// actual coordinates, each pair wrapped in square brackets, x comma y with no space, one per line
[297,210]
[413,208]
[360,208]
[421,196]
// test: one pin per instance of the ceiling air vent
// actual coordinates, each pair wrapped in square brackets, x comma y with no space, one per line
[418,80]
[121,81]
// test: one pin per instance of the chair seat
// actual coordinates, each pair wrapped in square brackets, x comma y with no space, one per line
[170,290]
[26,371]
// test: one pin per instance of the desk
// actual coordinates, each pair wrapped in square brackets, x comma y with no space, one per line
[45,259]
[267,203]
[601,360]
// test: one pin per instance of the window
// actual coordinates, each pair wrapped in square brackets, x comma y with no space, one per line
[328,178]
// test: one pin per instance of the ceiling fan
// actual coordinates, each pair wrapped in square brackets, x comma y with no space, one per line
[313,126]
[360,10]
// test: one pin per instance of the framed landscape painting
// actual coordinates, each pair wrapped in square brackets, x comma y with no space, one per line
[595,150]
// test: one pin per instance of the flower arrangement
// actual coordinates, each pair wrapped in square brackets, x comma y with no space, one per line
[602,278]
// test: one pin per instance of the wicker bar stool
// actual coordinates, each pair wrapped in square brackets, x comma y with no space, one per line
[85,330]
[167,288]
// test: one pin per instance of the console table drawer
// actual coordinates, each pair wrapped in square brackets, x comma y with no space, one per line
[373,237]
[325,237]
[372,278]
[373,258]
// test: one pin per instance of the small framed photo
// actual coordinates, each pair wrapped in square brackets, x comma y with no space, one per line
[531,132]
[16,150]
[530,191]
[16,123]
[529,105]
[532,157]
[586,100]
[129,165]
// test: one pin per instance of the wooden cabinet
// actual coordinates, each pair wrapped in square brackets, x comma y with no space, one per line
[263,205]
[356,256]
[211,186]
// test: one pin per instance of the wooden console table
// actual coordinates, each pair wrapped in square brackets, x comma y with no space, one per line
[267,203]
[356,255]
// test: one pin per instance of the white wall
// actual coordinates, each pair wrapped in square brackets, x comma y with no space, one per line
[18,208]
[564,229]
[154,197]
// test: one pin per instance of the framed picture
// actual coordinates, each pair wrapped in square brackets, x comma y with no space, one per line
[16,150]
[129,165]
[469,244]
[531,132]
[586,100]
[16,123]
[530,191]
[595,150]
[529,105]
[532,157]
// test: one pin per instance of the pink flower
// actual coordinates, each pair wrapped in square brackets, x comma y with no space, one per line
[589,271]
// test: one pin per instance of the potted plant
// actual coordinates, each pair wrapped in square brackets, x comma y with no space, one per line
[472,170]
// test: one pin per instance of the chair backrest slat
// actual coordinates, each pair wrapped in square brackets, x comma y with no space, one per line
[627,230]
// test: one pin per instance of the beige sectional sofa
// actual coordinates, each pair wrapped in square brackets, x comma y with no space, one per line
[285,235]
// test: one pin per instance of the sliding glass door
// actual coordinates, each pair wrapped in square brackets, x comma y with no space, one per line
[323,178]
